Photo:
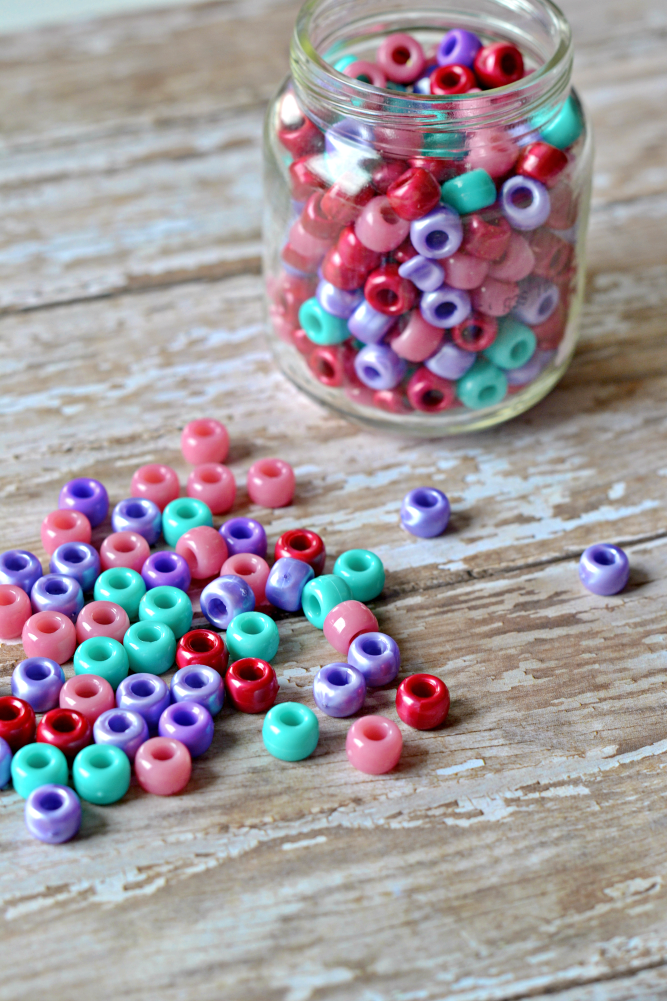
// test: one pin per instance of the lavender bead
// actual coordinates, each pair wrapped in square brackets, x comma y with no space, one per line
[53,814]
[424,273]
[5,762]
[339,689]
[199,683]
[140,515]
[377,656]
[437,234]
[78,560]
[38,680]
[604,569]
[189,722]
[450,361]
[351,142]
[55,592]
[526,373]
[224,598]
[524,202]
[145,694]
[368,325]
[286,581]
[425,512]
[18,566]
[121,728]
[378,367]
[458,46]
[537,300]
[87,496]
[445,308]
[244,535]
[337,302]
[166,569]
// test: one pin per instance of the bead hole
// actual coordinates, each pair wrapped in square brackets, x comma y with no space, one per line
[184,717]
[154,476]
[201,644]
[240,532]
[74,555]
[373,731]
[270,469]
[143,688]
[422,689]
[432,398]
[253,627]
[324,367]
[8,713]
[125,545]
[250,672]
[51,801]
[8,597]
[424,498]
[149,634]
[401,55]
[244,568]
[82,490]
[372,648]
[437,239]
[56,587]
[388,214]
[163,753]
[38,759]
[508,64]
[313,605]
[166,564]
[48,627]
[64,520]
[99,652]
[371,373]
[338,678]
[217,608]
[86,690]
[301,543]
[15,562]
[450,45]
[210,476]
[386,297]
[358,562]
[604,557]
[185,511]
[195,680]
[290,717]
[165,601]
[100,759]
[103,617]
[522,198]
[64,724]
[37,672]
[202,429]
[136,510]
[118,724]
[487,394]
[444,310]
[119,581]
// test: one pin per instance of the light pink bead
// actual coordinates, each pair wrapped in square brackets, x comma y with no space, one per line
[346,621]
[464,271]
[49,634]
[282,325]
[60,527]
[124,549]
[271,483]
[87,694]
[373,745]
[516,263]
[495,298]
[213,484]
[371,70]
[254,571]
[204,550]
[391,58]
[492,150]
[163,766]
[15,610]
[379,228]
[102,618]
[204,441]
[418,340]
[307,244]
[157,483]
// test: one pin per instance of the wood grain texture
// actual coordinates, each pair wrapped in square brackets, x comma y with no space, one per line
[518,852]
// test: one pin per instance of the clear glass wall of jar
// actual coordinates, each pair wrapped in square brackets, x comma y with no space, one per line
[463,318]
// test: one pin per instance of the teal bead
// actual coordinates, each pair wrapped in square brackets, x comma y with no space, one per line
[396,86]
[446,145]
[344,61]
[101,773]
[469,192]
[514,345]
[363,571]
[322,594]
[566,127]
[169,605]
[321,327]
[150,647]
[290,731]
[483,385]
[181,515]
[252,634]
[123,586]
[103,656]
[36,765]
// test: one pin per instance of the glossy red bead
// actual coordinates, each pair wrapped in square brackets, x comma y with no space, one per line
[202,646]
[391,400]
[344,200]
[486,237]
[498,64]
[388,293]
[315,222]
[414,194]
[302,342]
[66,729]
[404,252]
[303,179]
[429,393]
[452,80]
[550,333]
[17,721]
[542,162]
[326,364]
[341,275]
[293,259]
[422,701]
[302,544]
[476,332]
[441,170]
[354,254]
[301,140]
[252,685]
[387,173]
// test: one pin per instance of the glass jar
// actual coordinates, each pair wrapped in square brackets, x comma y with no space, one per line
[448,301]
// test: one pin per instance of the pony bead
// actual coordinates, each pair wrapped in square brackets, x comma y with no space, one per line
[345,622]
[88,694]
[146,694]
[60,527]
[17,722]
[87,496]
[199,683]
[189,722]
[244,535]
[252,634]
[377,656]
[150,647]
[363,571]
[425,512]
[124,549]
[286,581]
[21,568]
[339,689]
[36,765]
[78,560]
[254,571]
[166,569]
[373,745]
[103,657]
[204,441]
[204,550]
[53,814]
[163,766]
[202,646]
[140,515]
[213,484]
[57,592]
[422,701]
[101,773]
[322,594]
[156,483]
[252,685]
[15,610]
[49,634]
[38,680]
[102,618]
[123,587]
[169,605]
[121,728]
[271,483]
[66,729]
[604,569]
[302,544]
[179,516]
[225,598]
[290,731]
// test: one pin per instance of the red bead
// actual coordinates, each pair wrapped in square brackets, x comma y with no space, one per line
[429,393]
[552,254]
[294,259]
[17,721]
[452,80]
[354,254]
[303,180]
[388,172]
[302,342]
[441,170]
[422,701]
[202,646]
[404,252]
[342,275]
[388,293]
[315,222]
[302,544]
[498,64]
[66,729]
[486,238]
[391,400]
[252,685]
[542,162]
[550,333]
[326,364]
[344,200]
[476,332]
[414,194]
[301,141]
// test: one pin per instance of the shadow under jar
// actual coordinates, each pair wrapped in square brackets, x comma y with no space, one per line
[424,252]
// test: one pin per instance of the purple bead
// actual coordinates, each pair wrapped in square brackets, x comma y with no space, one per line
[199,683]
[351,141]
[53,814]
[425,512]
[55,592]
[18,566]
[604,569]
[145,694]
[166,569]
[87,496]
[537,300]
[5,762]
[78,560]
[337,302]
[526,373]
[450,361]
[189,722]
[368,325]
[458,47]
[424,273]
[38,680]
[525,203]
[339,689]
[244,535]
[437,234]
[377,656]
[445,308]
[286,581]
[140,515]
[378,367]
[121,728]
[224,598]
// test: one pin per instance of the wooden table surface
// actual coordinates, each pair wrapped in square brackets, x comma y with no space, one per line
[520,851]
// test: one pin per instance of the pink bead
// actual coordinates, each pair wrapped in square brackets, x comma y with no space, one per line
[157,483]
[401,58]
[204,550]
[379,228]
[124,549]
[373,745]
[163,766]
[87,694]
[312,247]
[15,610]
[204,441]
[213,484]
[495,298]
[60,527]
[516,263]
[102,618]
[362,68]
[49,634]
[464,271]
[271,483]
[346,621]
[418,340]
[492,150]
[254,571]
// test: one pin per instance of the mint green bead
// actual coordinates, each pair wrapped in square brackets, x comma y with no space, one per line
[150,647]
[36,765]
[321,327]
[123,586]
[169,605]
[566,127]
[469,192]
[344,61]
[447,145]
[252,634]
[363,571]
[181,515]
[101,773]
[290,731]
[103,656]
[483,385]
[514,345]
[322,594]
